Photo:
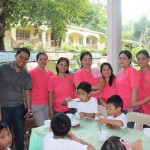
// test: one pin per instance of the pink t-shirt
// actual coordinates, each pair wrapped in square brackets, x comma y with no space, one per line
[82,75]
[144,90]
[108,90]
[125,81]
[39,92]
[61,88]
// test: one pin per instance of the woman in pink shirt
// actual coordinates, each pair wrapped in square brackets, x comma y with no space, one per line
[61,88]
[127,82]
[143,59]
[88,74]
[110,86]
[39,93]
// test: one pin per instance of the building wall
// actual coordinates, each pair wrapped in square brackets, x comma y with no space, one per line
[77,37]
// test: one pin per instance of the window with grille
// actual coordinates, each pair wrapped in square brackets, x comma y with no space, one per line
[22,35]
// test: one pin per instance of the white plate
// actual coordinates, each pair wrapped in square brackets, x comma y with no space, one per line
[75,123]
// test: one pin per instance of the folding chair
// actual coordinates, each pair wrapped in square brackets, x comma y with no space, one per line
[102,110]
[140,119]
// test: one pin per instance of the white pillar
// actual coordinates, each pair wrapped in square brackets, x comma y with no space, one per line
[98,45]
[13,33]
[114,32]
[49,40]
[44,39]
[84,41]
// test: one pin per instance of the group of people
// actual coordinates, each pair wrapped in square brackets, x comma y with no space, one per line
[47,94]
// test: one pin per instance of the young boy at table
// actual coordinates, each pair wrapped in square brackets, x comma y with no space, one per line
[115,119]
[86,105]
[63,138]
[5,137]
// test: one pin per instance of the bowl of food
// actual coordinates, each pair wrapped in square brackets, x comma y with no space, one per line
[146,132]
[77,115]
[70,115]
[75,123]
[47,123]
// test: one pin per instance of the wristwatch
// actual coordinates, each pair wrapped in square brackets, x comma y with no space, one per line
[29,110]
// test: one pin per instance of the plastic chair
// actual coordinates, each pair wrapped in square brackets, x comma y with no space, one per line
[140,119]
[102,110]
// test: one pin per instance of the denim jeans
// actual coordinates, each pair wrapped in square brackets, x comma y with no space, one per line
[14,118]
[130,124]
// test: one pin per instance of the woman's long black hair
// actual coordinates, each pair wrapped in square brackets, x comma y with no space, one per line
[111,79]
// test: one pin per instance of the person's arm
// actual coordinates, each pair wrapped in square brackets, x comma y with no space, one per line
[28,103]
[90,115]
[99,86]
[137,145]
[51,111]
[66,100]
[117,123]
[141,102]
[133,97]
[73,137]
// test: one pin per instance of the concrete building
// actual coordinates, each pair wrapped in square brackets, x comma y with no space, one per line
[76,37]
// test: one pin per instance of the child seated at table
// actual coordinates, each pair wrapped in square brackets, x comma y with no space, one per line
[116,143]
[63,138]
[5,137]
[86,105]
[115,119]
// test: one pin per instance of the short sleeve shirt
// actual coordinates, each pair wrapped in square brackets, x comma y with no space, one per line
[122,118]
[39,92]
[144,90]
[62,144]
[82,75]
[108,90]
[90,106]
[61,88]
[125,81]
[12,85]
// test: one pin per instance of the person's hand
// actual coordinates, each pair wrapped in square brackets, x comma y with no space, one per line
[134,104]
[130,110]
[137,145]
[82,114]
[51,113]
[68,99]
[100,119]
[111,126]
[64,102]
[27,115]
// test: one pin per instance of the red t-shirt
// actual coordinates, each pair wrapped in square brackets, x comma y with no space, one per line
[125,81]
[61,88]
[39,92]
[82,75]
[144,90]
[108,90]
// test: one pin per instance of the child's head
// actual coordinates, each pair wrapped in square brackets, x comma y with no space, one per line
[113,143]
[5,136]
[84,91]
[114,105]
[60,124]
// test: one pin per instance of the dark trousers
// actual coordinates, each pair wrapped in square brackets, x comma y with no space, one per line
[14,118]
[72,111]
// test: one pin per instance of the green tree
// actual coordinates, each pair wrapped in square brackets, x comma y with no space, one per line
[56,14]
[95,18]
[142,31]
